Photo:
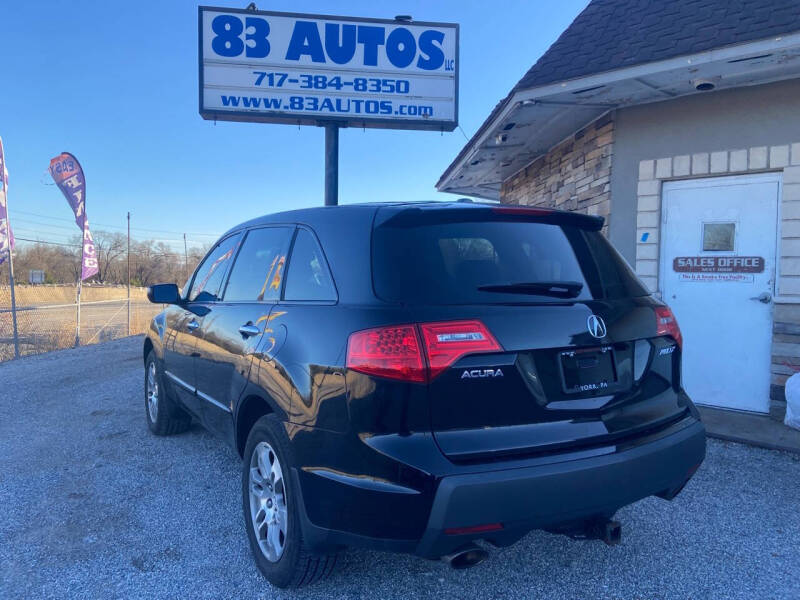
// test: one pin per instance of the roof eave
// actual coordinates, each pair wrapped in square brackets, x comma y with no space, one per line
[640,73]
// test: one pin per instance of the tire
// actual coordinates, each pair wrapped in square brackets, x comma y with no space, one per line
[164,416]
[269,502]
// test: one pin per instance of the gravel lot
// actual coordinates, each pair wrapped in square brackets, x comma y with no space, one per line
[93,505]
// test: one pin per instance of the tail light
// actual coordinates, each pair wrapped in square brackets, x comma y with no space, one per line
[416,353]
[446,342]
[392,352]
[667,324]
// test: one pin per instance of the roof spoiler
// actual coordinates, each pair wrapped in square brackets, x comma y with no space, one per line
[466,213]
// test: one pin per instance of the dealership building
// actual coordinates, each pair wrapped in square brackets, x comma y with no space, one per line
[679,122]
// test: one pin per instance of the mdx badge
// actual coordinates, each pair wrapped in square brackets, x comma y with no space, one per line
[481,373]
[596,326]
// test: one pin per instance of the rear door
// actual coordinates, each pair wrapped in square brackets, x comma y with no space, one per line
[578,359]
[309,347]
[234,325]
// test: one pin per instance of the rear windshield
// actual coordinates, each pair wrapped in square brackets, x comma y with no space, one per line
[496,262]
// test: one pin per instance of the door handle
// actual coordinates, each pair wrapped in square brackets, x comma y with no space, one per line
[248,329]
[763,297]
[192,325]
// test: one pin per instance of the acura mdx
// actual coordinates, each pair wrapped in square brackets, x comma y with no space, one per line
[424,378]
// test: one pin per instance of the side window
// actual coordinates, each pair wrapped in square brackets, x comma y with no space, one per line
[308,277]
[211,273]
[258,271]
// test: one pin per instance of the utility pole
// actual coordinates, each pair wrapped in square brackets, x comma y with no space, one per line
[185,260]
[129,272]
[331,164]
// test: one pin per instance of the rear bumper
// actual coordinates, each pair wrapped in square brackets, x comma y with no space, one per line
[545,496]
[548,496]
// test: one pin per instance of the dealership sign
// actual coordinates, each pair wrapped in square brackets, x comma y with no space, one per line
[309,69]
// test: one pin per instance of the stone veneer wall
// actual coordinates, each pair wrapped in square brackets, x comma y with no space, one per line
[784,159]
[573,175]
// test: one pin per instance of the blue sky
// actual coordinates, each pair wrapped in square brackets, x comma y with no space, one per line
[115,83]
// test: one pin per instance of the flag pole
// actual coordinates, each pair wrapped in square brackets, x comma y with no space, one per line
[4,191]
[78,300]
[80,277]
[11,281]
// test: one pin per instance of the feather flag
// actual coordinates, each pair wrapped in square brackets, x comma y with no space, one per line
[6,235]
[66,171]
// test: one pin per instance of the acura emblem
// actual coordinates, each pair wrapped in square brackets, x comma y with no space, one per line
[596,326]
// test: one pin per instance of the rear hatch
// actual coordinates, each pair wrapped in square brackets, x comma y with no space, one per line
[538,336]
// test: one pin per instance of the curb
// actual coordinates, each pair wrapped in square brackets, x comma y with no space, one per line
[750,442]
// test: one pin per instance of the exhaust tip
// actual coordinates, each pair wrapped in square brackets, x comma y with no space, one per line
[466,557]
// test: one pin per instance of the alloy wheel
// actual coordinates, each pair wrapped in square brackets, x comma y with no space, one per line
[268,508]
[152,392]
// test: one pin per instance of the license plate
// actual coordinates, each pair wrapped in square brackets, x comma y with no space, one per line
[588,370]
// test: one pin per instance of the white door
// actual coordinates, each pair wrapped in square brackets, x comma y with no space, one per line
[717,272]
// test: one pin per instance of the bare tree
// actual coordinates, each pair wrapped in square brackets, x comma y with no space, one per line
[110,248]
[151,261]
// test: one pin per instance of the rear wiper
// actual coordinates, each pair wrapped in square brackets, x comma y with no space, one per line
[557,289]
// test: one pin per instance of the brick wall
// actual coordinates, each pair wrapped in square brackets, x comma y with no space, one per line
[573,175]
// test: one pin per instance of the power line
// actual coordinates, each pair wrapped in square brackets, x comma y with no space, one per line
[22,239]
[50,225]
[26,228]
[93,223]
[30,232]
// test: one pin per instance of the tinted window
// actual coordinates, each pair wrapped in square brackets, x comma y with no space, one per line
[308,277]
[481,262]
[211,273]
[257,274]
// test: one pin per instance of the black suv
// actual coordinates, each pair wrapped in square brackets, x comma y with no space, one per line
[419,377]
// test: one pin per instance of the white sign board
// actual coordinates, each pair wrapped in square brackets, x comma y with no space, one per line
[308,69]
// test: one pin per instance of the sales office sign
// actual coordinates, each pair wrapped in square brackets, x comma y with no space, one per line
[304,69]
[716,269]
[718,264]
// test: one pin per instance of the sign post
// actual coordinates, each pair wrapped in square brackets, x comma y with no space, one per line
[328,71]
[331,164]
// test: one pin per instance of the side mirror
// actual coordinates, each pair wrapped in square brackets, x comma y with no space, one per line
[164,293]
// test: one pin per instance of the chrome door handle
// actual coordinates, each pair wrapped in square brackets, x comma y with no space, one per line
[763,297]
[249,330]
[192,325]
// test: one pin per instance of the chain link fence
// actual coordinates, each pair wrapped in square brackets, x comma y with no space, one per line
[47,316]
[47,264]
